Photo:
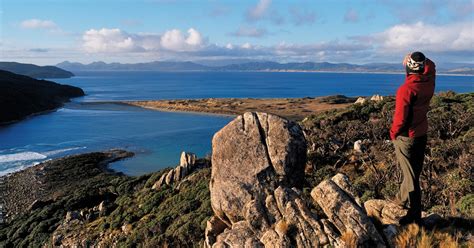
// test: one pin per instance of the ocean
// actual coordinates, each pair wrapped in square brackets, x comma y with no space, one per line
[88,124]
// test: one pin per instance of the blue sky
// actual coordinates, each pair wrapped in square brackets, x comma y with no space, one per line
[51,31]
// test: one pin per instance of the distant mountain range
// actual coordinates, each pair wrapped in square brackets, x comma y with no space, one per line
[35,71]
[257,66]
[150,66]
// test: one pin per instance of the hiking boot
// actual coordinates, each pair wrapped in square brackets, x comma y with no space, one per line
[411,218]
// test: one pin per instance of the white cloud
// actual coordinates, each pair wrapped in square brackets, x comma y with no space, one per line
[194,38]
[175,40]
[246,45]
[38,24]
[421,36]
[116,40]
[259,10]
[108,40]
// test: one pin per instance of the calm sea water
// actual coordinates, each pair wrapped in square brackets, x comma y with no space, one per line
[157,137]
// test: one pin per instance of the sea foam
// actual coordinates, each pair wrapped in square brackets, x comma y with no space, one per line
[22,156]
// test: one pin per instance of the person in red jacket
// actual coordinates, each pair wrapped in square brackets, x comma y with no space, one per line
[409,128]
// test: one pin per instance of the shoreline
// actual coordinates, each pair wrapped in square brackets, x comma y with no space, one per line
[223,114]
[38,182]
[43,112]
[280,71]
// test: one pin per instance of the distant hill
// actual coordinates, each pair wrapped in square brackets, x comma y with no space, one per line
[35,71]
[21,96]
[311,66]
[467,69]
[257,66]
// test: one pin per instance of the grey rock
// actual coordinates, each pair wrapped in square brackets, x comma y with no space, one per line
[170,177]
[187,159]
[343,182]
[160,182]
[346,214]
[178,173]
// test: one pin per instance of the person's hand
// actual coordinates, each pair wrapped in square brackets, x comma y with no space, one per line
[405,60]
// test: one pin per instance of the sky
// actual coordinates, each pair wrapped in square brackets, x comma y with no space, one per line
[130,31]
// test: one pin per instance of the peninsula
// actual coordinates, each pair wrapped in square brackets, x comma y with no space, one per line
[291,108]
[21,96]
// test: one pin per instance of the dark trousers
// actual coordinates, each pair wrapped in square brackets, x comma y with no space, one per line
[410,153]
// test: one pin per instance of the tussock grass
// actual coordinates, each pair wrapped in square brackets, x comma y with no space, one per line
[415,236]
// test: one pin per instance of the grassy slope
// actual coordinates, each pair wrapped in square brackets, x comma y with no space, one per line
[447,178]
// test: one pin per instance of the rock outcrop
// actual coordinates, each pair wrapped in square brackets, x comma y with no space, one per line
[360,100]
[257,165]
[187,164]
[251,157]
[375,98]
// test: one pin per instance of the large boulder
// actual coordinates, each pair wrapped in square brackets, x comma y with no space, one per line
[251,157]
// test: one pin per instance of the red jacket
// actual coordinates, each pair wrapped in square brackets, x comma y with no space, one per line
[412,103]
